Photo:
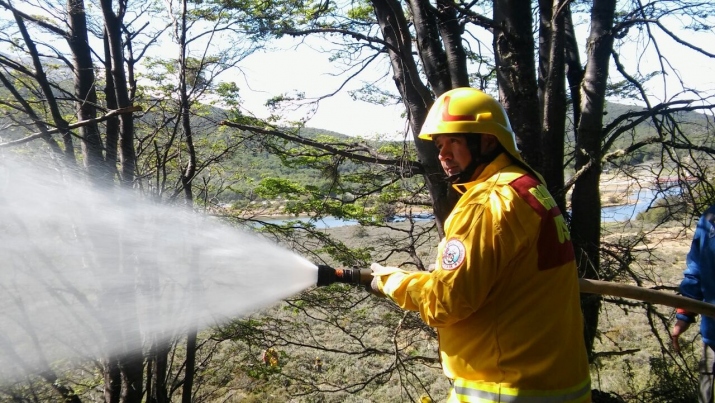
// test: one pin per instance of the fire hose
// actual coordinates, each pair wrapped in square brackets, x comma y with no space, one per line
[328,275]
[588,286]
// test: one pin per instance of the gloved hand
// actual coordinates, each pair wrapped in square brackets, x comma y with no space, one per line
[379,271]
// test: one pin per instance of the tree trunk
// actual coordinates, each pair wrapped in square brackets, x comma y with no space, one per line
[156,379]
[516,75]
[190,366]
[113,29]
[85,94]
[415,95]
[553,125]
[112,125]
[586,201]
[131,364]
[112,381]
[187,176]
[574,71]
[44,84]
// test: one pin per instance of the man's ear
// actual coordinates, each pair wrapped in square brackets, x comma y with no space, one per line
[489,143]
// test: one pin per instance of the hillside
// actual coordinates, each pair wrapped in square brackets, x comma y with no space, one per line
[253,162]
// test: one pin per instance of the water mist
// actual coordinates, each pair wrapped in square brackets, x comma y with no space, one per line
[89,274]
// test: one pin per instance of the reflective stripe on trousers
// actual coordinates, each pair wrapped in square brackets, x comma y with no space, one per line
[477,392]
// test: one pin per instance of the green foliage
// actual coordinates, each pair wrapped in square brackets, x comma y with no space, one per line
[270,188]
[229,94]
[322,323]
[361,11]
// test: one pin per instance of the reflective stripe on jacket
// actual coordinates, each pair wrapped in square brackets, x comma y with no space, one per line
[478,392]
[504,296]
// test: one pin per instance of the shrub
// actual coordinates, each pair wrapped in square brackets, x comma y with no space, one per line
[360,232]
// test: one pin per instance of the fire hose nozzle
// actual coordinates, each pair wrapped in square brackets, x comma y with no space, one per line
[328,275]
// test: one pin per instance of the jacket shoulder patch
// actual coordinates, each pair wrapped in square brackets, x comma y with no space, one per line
[453,254]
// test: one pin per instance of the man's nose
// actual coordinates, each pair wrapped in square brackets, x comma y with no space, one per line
[445,154]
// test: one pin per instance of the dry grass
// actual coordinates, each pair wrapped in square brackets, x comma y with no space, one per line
[627,331]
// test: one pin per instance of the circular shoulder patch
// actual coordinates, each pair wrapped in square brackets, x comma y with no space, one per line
[453,254]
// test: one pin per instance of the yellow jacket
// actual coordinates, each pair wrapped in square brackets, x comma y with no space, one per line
[504,296]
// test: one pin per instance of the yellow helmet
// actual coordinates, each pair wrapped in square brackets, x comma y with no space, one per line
[470,111]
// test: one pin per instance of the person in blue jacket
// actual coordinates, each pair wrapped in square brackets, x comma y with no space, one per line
[699,283]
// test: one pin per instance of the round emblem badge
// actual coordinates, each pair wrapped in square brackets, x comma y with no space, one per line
[453,254]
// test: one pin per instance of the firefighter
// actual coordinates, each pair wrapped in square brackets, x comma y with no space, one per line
[504,294]
[699,283]
[270,357]
[318,365]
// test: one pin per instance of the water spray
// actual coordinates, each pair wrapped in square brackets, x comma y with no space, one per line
[88,273]
[328,275]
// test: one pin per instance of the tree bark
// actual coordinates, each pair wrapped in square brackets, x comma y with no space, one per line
[113,29]
[586,201]
[415,95]
[112,126]
[187,176]
[44,84]
[516,75]
[112,380]
[553,124]
[85,94]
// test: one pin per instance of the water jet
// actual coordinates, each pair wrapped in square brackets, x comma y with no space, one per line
[88,273]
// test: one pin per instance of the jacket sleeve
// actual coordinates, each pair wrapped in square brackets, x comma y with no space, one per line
[690,285]
[478,244]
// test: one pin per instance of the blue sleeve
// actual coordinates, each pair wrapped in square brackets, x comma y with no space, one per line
[691,286]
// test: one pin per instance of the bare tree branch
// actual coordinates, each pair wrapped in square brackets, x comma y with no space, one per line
[109,115]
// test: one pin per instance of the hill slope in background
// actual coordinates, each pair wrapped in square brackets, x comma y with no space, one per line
[253,163]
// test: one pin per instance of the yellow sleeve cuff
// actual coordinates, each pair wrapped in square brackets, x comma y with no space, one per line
[392,283]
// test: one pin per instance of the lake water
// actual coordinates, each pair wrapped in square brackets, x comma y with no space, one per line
[332,222]
[608,214]
[322,223]
[629,211]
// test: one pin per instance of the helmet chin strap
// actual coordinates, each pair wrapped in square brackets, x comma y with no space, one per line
[466,174]
[475,149]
